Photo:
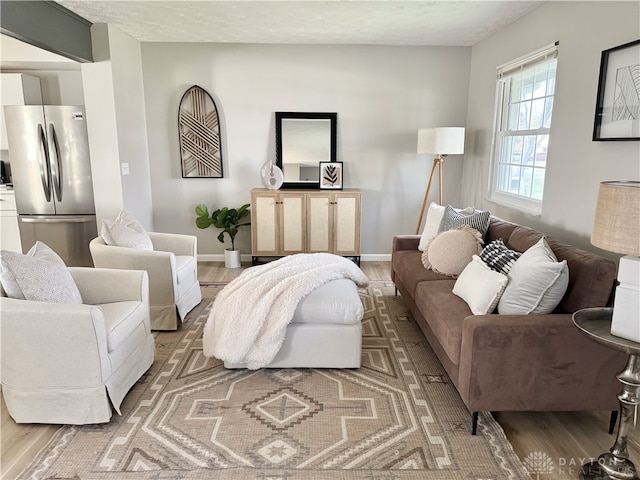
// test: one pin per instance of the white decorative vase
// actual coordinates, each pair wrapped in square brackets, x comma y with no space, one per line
[232,258]
[271,175]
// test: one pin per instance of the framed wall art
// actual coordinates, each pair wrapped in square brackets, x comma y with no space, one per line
[618,100]
[200,135]
[330,175]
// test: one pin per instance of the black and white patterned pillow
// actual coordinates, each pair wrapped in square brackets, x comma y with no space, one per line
[498,256]
[452,219]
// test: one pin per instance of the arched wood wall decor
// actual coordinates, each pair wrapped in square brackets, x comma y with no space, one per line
[200,136]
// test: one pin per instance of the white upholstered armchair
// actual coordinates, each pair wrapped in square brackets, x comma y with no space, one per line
[71,363]
[173,273]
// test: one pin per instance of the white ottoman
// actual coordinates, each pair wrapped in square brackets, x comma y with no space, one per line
[326,330]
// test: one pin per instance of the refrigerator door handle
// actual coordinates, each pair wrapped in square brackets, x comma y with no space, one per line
[55,163]
[87,219]
[43,163]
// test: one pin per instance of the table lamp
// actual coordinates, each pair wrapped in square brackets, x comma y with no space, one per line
[616,228]
[441,141]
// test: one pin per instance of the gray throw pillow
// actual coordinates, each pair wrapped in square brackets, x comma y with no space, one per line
[452,219]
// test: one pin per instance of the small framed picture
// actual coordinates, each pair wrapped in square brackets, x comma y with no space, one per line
[618,100]
[330,175]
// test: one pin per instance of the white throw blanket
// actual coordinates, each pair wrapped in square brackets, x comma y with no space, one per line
[249,316]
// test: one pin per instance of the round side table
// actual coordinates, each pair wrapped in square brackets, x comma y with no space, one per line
[615,464]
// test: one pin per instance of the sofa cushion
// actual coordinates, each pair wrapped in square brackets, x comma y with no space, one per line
[537,282]
[591,277]
[499,228]
[445,314]
[451,251]
[409,271]
[121,319]
[40,275]
[480,286]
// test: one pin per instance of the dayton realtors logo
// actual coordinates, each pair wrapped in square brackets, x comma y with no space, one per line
[539,464]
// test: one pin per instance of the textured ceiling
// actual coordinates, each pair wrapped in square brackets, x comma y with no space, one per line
[443,22]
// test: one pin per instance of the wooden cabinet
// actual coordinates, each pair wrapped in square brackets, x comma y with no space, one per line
[277,223]
[17,89]
[333,223]
[298,221]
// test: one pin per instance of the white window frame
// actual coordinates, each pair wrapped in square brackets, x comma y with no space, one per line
[500,129]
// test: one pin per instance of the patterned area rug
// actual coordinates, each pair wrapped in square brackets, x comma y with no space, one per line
[397,417]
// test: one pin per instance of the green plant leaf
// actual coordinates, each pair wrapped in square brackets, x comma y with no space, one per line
[202,210]
[203,222]
[243,211]
[220,218]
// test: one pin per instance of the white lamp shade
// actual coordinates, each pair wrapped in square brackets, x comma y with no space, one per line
[616,226]
[441,140]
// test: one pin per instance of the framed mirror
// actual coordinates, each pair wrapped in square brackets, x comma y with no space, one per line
[303,140]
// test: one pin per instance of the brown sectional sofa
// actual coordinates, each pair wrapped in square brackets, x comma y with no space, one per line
[516,362]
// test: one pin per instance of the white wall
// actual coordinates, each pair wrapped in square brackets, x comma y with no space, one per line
[114,99]
[576,164]
[382,95]
[63,87]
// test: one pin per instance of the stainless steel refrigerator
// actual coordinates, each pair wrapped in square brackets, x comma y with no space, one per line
[51,173]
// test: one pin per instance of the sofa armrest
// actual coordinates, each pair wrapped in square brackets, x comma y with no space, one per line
[535,362]
[405,242]
[176,243]
[40,341]
[107,285]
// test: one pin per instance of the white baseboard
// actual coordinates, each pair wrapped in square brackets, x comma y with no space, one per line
[376,257]
[219,257]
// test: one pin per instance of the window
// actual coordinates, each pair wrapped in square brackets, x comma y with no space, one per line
[524,104]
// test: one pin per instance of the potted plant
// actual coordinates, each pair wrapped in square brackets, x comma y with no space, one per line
[228,219]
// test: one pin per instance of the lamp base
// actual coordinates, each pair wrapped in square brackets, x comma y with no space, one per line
[626,308]
[437,163]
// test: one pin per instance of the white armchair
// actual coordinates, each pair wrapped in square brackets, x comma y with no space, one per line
[173,273]
[70,363]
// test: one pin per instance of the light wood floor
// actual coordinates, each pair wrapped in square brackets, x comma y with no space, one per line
[568,439]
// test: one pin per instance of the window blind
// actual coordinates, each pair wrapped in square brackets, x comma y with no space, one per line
[526,61]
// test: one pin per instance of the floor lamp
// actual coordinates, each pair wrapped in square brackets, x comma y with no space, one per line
[441,141]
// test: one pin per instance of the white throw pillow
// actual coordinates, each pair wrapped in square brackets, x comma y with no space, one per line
[480,286]
[125,231]
[40,275]
[537,282]
[435,212]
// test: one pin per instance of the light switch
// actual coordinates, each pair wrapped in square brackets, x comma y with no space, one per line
[125,168]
